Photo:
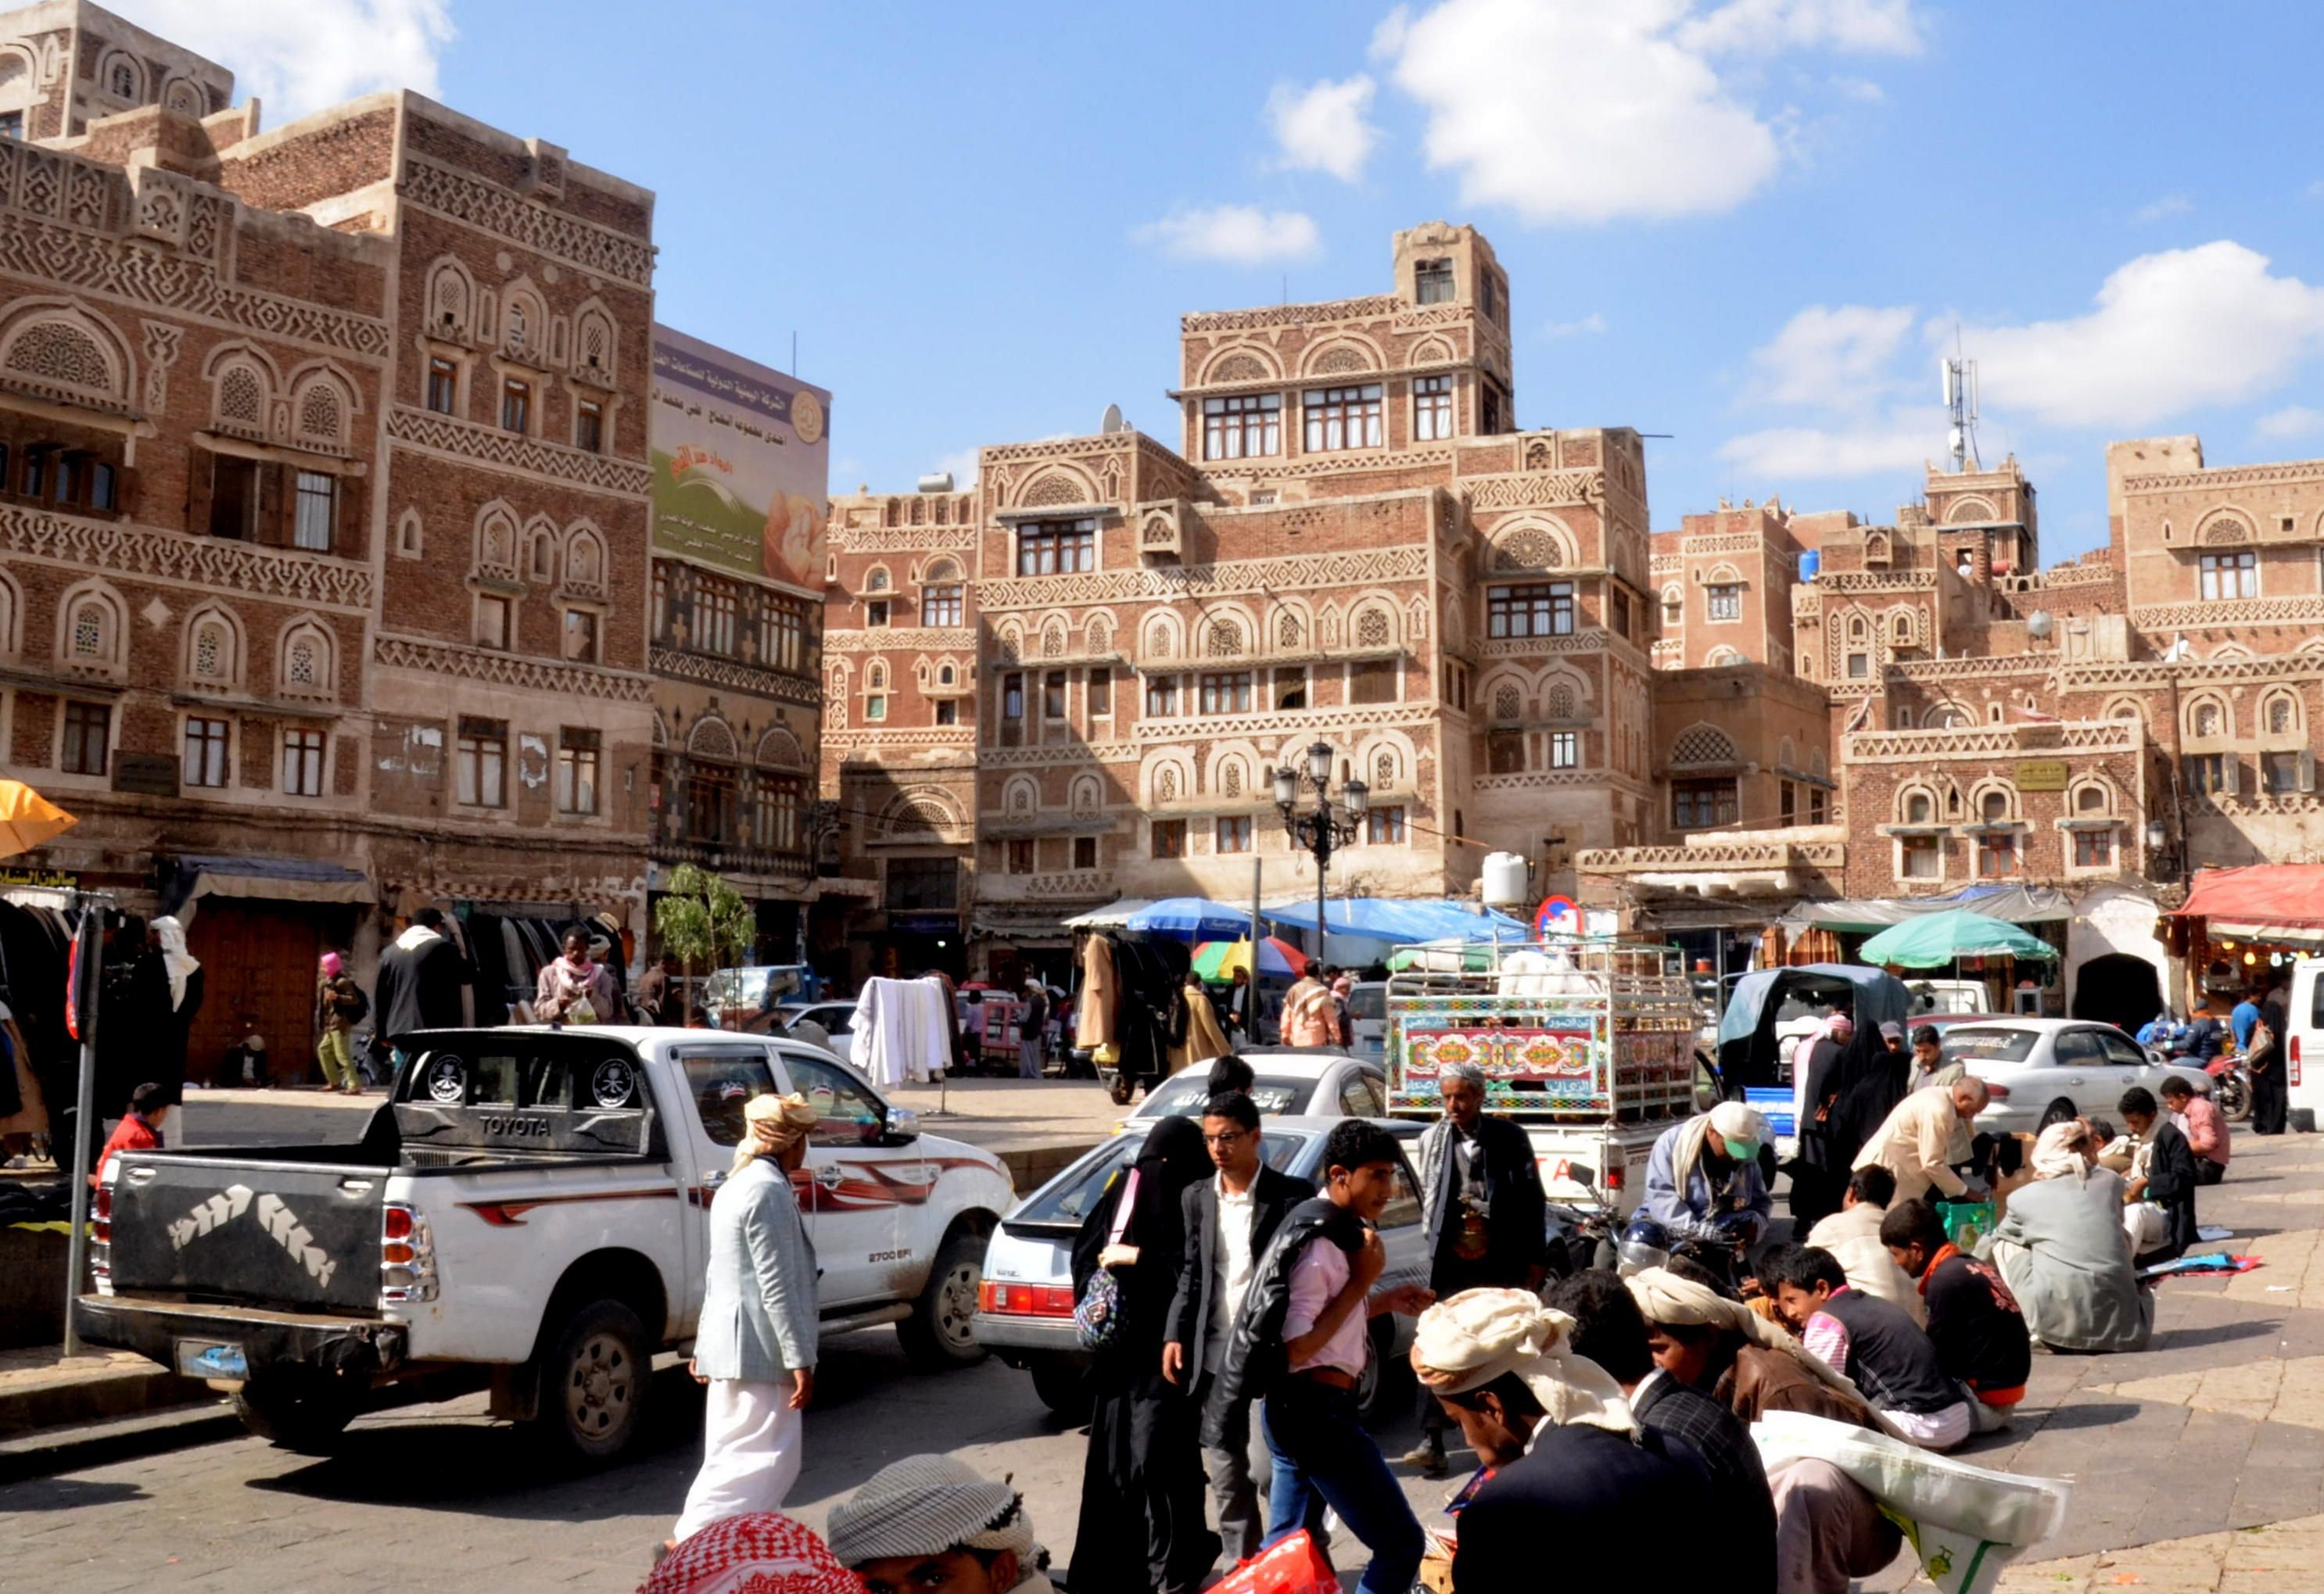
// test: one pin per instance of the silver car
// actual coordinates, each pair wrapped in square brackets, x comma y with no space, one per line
[2044,1071]
[1025,1305]
[1292,1082]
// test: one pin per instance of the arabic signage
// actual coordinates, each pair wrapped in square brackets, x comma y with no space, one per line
[46,880]
[740,459]
[147,774]
[2042,774]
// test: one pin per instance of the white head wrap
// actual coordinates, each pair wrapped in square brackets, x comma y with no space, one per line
[1462,1070]
[1732,1120]
[928,1505]
[2063,1149]
[1467,1341]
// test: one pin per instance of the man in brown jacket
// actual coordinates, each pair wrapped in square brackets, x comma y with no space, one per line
[1827,1530]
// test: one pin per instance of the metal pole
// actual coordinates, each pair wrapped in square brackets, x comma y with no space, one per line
[1258,865]
[1321,836]
[90,955]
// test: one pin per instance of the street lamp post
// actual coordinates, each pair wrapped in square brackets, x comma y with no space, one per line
[1328,826]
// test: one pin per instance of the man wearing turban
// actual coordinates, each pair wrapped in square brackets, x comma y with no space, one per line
[931,1522]
[1704,1184]
[755,1345]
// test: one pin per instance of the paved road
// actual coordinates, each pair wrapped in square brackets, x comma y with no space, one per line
[2205,1452]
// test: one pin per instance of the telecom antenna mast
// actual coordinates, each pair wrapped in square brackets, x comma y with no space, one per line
[1960,381]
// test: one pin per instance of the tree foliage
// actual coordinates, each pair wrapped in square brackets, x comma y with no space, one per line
[703,921]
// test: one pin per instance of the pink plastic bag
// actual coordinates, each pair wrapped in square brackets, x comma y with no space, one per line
[1294,1566]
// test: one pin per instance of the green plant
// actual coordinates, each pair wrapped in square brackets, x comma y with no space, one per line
[702,919]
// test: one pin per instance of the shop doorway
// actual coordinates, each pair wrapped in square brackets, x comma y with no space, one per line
[258,972]
[2118,988]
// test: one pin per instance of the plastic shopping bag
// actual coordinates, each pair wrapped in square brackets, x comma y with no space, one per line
[1966,1523]
[1294,1566]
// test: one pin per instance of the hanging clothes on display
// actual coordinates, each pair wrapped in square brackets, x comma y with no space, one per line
[1093,1008]
[904,1031]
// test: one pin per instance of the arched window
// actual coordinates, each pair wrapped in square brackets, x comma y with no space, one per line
[1561,701]
[306,667]
[2282,717]
[1903,719]
[121,78]
[1992,808]
[1231,778]
[451,296]
[321,413]
[1384,769]
[1508,705]
[584,561]
[1674,608]
[241,397]
[2207,719]
[944,675]
[1919,808]
[1224,639]
[93,633]
[544,559]
[1372,629]
[875,677]
[876,579]
[2090,799]
[1289,632]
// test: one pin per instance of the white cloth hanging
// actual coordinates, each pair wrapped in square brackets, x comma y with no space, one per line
[903,1031]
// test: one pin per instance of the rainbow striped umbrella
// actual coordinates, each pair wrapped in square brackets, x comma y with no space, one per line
[1216,960]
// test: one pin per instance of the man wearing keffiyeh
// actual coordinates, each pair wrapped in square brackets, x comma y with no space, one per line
[931,1522]
[1572,1471]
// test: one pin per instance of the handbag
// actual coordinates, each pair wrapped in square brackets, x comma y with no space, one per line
[1097,1315]
[2262,1042]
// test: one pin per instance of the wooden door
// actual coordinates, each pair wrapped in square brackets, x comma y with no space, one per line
[259,971]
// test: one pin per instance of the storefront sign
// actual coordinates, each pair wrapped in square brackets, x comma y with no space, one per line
[2042,774]
[45,879]
[146,774]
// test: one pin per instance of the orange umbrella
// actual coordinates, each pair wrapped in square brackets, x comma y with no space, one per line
[27,818]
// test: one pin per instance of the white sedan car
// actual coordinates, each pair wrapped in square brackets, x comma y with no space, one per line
[2044,1071]
[838,1019]
[1291,1081]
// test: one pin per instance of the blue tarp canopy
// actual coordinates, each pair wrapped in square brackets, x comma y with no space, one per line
[1192,919]
[1400,922]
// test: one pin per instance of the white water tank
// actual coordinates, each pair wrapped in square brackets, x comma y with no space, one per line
[1506,875]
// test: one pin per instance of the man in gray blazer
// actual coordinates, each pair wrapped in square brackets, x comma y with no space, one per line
[1228,1220]
[755,1344]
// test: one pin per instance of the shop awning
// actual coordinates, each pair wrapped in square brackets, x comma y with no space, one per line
[1113,916]
[2281,902]
[2016,904]
[275,879]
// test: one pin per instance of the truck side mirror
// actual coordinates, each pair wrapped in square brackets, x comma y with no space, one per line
[902,1128]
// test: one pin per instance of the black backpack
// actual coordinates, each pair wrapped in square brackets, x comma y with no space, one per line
[363,1004]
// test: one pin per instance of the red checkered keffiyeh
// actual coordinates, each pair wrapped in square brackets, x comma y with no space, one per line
[762,1552]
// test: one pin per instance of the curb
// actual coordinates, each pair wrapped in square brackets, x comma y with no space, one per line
[96,1444]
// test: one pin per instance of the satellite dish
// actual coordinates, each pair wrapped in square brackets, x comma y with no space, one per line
[1112,421]
[2038,624]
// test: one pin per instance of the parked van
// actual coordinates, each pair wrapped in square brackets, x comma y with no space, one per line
[2303,1048]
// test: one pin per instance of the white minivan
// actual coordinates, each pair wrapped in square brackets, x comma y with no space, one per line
[2303,1048]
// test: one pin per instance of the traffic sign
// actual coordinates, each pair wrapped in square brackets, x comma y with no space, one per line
[1556,916]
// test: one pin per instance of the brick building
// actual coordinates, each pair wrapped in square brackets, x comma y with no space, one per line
[1073,682]
[323,544]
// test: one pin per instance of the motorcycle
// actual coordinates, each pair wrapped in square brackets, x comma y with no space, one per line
[2231,1089]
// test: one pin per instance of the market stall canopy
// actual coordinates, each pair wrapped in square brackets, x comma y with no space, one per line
[1936,939]
[2016,904]
[275,880]
[1114,915]
[2282,902]
[1401,921]
[1191,919]
[27,818]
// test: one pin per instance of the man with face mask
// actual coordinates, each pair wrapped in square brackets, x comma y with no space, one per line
[1480,1216]
[1704,1186]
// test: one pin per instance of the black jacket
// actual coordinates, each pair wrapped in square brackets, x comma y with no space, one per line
[1273,1197]
[2170,1183]
[1591,1503]
[1516,1237]
[1257,1356]
[1731,1465]
[418,989]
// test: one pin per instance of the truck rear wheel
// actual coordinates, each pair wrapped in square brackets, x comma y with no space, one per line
[594,1381]
[298,1408]
[941,1331]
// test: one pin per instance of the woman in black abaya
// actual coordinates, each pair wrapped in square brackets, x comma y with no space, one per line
[1142,1525]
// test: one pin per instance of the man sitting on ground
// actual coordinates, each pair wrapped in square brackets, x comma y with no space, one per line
[1926,1138]
[1973,1319]
[1874,1345]
[2169,1177]
[1704,1184]
[1828,1529]
[1608,1329]
[1575,1470]
[1852,1234]
[2206,1127]
[931,1522]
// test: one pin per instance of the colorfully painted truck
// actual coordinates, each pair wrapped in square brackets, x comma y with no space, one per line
[1589,1042]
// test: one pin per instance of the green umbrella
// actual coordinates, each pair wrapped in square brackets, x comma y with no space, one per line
[1932,940]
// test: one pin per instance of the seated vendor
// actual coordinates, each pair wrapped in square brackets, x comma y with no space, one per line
[1704,1186]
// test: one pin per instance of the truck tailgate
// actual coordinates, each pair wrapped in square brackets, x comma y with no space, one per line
[282,1234]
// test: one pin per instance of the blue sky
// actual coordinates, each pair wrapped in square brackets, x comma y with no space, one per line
[1750,224]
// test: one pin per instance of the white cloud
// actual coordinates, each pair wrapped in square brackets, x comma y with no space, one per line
[1875,446]
[1832,355]
[1863,90]
[1591,323]
[1321,127]
[2172,331]
[297,56]
[1576,111]
[1762,27]
[2293,422]
[1239,235]
[2169,205]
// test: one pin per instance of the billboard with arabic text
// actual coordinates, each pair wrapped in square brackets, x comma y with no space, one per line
[740,457]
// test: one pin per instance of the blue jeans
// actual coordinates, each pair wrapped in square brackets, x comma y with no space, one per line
[1322,1457]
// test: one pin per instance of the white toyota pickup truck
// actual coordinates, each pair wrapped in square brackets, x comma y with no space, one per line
[527,1210]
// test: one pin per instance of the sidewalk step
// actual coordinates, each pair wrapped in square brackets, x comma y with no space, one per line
[37,1391]
[52,1450]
